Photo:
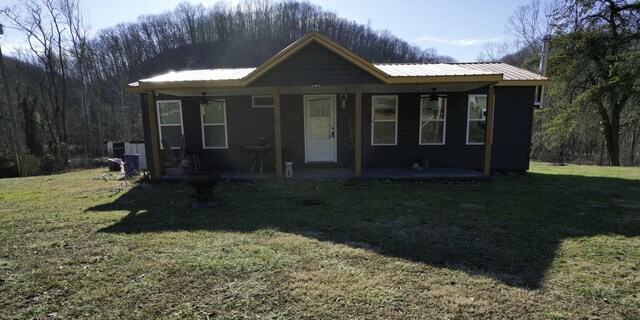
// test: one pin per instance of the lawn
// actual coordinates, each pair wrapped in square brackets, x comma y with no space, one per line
[557,243]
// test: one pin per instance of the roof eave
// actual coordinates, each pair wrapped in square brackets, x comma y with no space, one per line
[445,79]
[523,83]
[149,86]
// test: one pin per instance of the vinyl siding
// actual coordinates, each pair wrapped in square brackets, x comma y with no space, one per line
[511,143]
[511,147]
[315,64]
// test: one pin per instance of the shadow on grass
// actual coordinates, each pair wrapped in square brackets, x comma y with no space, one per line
[508,229]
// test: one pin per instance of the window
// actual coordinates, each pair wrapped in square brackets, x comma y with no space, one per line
[384,120]
[170,120]
[433,115]
[214,125]
[265,101]
[476,118]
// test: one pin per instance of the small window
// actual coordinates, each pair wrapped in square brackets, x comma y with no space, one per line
[433,115]
[170,120]
[476,118]
[214,125]
[265,101]
[384,120]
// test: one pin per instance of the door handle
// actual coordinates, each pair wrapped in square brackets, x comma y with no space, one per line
[333,132]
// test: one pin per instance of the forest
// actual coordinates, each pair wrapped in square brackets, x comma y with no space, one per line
[65,95]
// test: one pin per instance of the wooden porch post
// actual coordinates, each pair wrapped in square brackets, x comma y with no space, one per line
[278,130]
[358,133]
[153,127]
[488,137]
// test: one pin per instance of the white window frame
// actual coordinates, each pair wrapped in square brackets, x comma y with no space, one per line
[469,120]
[202,125]
[160,125]
[253,101]
[373,121]
[443,120]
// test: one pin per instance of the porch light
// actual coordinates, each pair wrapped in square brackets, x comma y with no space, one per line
[343,100]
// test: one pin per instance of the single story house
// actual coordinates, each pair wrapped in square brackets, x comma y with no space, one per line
[321,106]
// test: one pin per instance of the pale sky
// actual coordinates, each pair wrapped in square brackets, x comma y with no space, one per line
[456,28]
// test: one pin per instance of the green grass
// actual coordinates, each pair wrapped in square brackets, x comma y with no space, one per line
[558,243]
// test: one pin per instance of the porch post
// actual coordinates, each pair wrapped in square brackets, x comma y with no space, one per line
[358,133]
[488,138]
[278,130]
[153,128]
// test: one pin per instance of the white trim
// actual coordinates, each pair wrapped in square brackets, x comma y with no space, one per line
[202,125]
[253,100]
[469,120]
[160,125]
[444,121]
[395,142]
[334,113]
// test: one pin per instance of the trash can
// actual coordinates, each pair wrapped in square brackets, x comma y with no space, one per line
[131,163]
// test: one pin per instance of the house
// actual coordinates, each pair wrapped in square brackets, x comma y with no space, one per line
[322,106]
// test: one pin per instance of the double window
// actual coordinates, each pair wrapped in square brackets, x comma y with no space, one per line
[214,124]
[433,116]
[170,120]
[384,120]
[476,118]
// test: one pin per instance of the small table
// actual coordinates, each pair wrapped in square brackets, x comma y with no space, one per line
[260,155]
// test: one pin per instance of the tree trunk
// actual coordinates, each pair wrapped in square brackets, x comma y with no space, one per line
[632,153]
[612,139]
[601,159]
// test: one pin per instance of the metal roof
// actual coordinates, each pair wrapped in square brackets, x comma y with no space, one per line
[509,72]
[429,70]
[394,70]
[202,75]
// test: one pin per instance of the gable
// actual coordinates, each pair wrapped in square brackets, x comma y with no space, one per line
[314,64]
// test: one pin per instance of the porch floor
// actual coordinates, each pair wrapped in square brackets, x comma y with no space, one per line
[451,174]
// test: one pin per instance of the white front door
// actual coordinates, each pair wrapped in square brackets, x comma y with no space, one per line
[320,128]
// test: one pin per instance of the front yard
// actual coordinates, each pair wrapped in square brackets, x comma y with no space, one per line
[558,243]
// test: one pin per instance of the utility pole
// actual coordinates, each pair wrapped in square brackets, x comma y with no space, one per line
[12,114]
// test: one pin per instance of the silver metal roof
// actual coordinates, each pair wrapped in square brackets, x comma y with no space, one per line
[428,70]
[202,75]
[509,72]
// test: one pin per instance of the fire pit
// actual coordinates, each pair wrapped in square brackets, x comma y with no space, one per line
[203,182]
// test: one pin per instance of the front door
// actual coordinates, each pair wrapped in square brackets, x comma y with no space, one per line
[320,128]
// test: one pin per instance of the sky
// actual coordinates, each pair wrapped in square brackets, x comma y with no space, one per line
[456,28]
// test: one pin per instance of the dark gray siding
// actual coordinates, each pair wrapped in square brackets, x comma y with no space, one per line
[512,132]
[511,143]
[454,153]
[315,64]
[244,125]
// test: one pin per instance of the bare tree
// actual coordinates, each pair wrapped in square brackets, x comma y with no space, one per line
[42,24]
[78,32]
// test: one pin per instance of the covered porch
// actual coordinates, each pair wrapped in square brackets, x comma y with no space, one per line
[394,174]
